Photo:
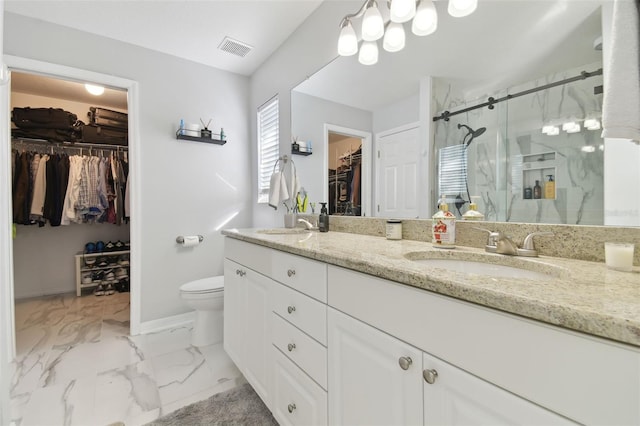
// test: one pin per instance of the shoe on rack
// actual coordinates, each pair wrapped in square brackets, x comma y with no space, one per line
[109,290]
[123,260]
[89,248]
[121,273]
[99,246]
[125,285]
[127,245]
[102,261]
[119,245]
[109,246]
[89,261]
[97,276]
[99,291]
[109,276]
[86,278]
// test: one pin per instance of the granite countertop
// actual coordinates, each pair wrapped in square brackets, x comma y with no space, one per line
[578,295]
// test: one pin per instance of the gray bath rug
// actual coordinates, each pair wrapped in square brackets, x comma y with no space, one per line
[238,406]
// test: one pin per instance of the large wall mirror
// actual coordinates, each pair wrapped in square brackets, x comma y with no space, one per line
[501,154]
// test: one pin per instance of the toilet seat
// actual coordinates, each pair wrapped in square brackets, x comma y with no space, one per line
[204,285]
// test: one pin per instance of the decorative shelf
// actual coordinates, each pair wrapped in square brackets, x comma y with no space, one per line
[200,139]
[305,153]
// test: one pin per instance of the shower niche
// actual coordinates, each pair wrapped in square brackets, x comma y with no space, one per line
[538,168]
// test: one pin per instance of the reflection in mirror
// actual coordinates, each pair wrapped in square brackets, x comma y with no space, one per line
[503,48]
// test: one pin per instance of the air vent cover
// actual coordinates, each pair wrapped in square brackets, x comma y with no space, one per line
[235,47]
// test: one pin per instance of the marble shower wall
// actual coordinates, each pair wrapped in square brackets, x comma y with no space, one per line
[513,152]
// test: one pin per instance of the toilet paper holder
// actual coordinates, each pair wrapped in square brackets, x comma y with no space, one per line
[180,239]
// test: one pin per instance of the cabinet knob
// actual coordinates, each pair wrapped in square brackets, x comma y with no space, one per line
[241,272]
[291,347]
[405,362]
[291,407]
[291,272]
[430,376]
[291,309]
[238,271]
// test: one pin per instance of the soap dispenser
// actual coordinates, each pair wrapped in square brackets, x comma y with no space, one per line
[550,188]
[473,213]
[443,226]
[323,219]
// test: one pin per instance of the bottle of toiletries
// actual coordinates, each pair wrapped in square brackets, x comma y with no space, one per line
[222,135]
[473,213]
[443,226]
[181,130]
[394,229]
[537,191]
[528,193]
[323,219]
[550,188]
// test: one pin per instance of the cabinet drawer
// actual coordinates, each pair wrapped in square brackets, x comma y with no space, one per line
[308,354]
[250,255]
[307,314]
[304,275]
[297,400]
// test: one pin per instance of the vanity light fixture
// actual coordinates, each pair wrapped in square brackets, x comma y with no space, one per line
[575,128]
[551,130]
[592,124]
[422,12]
[93,89]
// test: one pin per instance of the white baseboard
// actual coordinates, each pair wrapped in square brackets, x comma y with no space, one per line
[175,321]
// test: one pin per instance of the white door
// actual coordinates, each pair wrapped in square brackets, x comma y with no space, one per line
[367,384]
[398,174]
[257,359]
[455,397]
[235,323]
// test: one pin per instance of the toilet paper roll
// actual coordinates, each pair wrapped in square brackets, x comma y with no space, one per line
[190,241]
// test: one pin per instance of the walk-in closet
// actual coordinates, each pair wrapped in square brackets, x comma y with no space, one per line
[70,197]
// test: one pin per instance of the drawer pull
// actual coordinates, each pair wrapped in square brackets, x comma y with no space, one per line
[240,272]
[405,362]
[291,347]
[291,407]
[291,272]
[430,376]
[291,309]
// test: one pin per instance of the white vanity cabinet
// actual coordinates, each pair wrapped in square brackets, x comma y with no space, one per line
[374,379]
[299,324]
[247,314]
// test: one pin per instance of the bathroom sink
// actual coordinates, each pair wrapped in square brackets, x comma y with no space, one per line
[496,266]
[282,231]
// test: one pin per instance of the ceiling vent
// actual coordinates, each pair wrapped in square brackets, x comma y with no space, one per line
[235,47]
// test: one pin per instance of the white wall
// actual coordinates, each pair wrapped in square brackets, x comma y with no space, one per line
[309,115]
[397,114]
[310,47]
[186,187]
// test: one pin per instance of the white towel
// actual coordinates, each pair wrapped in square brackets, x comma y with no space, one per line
[294,184]
[621,103]
[277,190]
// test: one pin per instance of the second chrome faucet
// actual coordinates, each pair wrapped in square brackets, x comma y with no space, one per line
[498,242]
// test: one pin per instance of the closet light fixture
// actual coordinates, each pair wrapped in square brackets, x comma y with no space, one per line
[93,89]
[422,12]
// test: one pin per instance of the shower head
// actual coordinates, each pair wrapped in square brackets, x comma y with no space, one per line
[470,132]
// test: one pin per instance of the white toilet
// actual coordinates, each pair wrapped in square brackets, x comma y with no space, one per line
[206,296]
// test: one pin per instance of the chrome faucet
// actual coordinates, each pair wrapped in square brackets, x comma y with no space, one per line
[308,225]
[500,243]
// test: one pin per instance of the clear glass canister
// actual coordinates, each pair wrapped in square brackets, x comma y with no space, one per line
[394,229]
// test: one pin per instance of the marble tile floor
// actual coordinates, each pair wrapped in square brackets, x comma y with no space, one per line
[77,365]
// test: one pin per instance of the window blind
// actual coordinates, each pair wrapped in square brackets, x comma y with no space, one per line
[268,145]
[452,171]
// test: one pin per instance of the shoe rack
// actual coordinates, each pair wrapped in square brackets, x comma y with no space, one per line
[99,265]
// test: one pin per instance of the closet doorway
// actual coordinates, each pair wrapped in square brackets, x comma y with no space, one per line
[348,171]
[40,245]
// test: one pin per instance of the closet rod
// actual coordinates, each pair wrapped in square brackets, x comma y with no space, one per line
[75,145]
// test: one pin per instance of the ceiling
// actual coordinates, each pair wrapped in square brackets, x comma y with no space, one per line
[189,29]
[503,43]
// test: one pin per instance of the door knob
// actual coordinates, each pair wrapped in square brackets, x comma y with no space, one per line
[291,309]
[291,272]
[405,362]
[291,407]
[430,376]
[291,347]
